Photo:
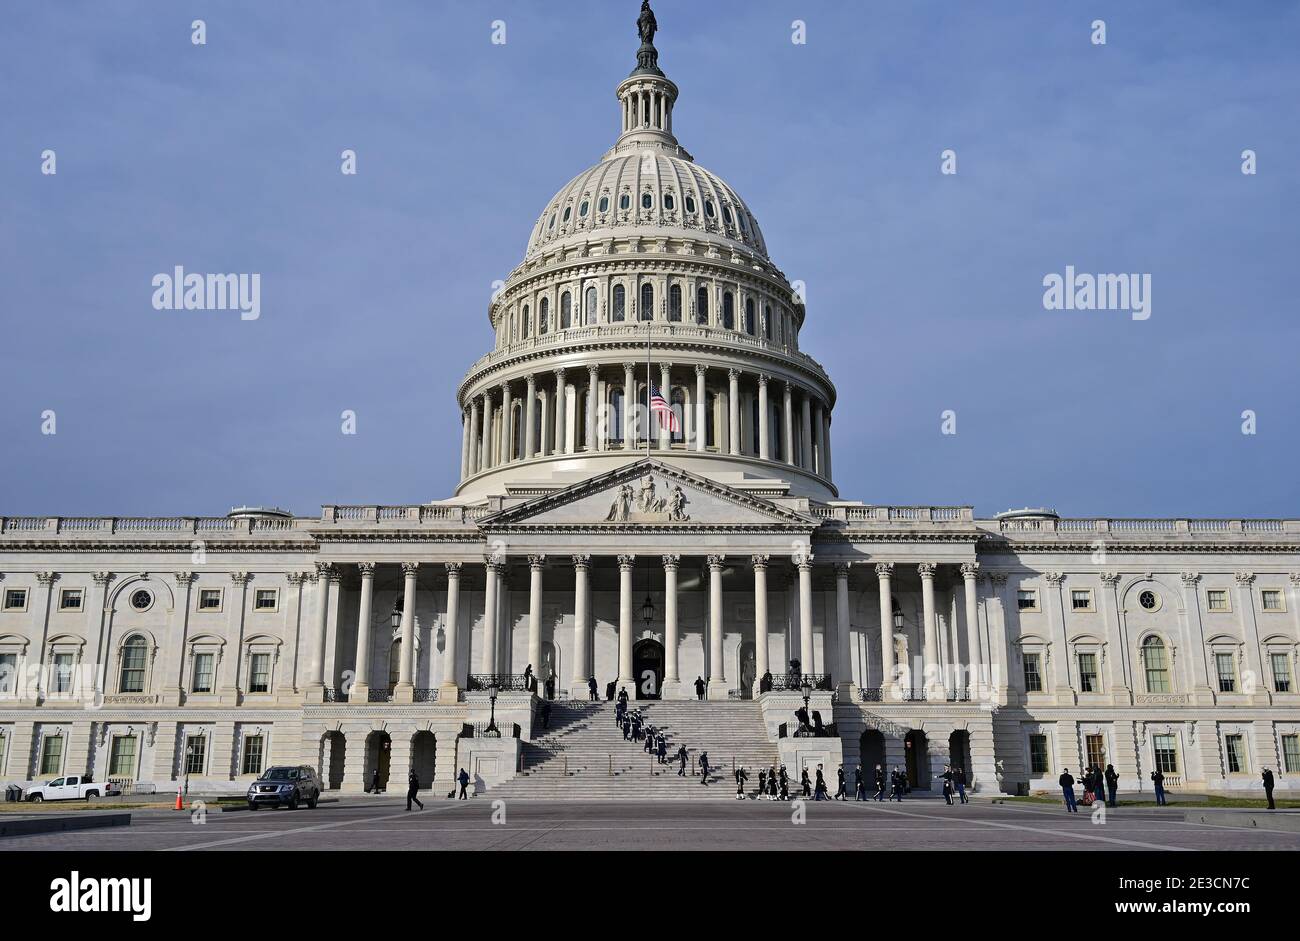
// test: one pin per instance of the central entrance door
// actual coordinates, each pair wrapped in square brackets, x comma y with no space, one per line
[648,668]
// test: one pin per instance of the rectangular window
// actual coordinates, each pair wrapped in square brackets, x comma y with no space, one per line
[62,679]
[4,740]
[121,759]
[1033,675]
[1290,754]
[266,599]
[259,673]
[1217,599]
[1281,664]
[196,750]
[202,682]
[1165,748]
[1235,746]
[1096,746]
[70,599]
[8,674]
[210,599]
[52,755]
[1227,675]
[1088,673]
[252,763]
[1027,599]
[1271,599]
[15,599]
[1038,754]
[1081,599]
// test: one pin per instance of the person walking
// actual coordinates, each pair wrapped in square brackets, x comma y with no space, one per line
[878,778]
[591,688]
[661,748]
[805,783]
[1066,780]
[785,784]
[947,785]
[681,756]
[412,786]
[819,792]
[841,794]
[1268,787]
[859,785]
[741,778]
[627,727]
[622,697]
[959,778]
[771,782]
[762,783]
[1112,784]
[704,768]
[896,785]
[463,778]
[699,687]
[1158,779]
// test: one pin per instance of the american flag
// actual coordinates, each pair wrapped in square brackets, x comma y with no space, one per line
[660,407]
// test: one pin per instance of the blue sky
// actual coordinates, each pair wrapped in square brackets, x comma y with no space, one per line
[924,290]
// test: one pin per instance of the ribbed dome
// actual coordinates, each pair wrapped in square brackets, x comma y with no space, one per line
[665,194]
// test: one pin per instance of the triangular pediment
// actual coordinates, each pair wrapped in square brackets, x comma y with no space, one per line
[649,493]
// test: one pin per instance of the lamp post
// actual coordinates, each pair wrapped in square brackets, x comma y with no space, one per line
[806,689]
[189,757]
[492,722]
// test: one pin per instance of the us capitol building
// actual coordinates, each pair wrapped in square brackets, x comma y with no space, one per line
[593,537]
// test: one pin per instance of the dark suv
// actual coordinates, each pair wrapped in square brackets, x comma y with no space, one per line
[285,786]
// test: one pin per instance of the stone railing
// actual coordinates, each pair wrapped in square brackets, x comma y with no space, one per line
[892,514]
[1126,526]
[150,524]
[504,682]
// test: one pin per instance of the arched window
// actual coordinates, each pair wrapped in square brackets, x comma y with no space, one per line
[590,307]
[646,311]
[619,314]
[566,311]
[728,310]
[749,316]
[726,215]
[544,315]
[669,203]
[690,204]
[679,409]
[702,306]
[675,303]
[523,324]
[624,201]
[1156,665]
[131,676]
[582,210]
[647,201]
[603,205]
[394,663]
[767,321]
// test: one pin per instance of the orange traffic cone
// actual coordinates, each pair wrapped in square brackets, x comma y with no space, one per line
[179,803]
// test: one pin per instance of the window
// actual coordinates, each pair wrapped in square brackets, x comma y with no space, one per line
[767,321]
[1033,673]
[121,757]
[1235,748]
[201,682]
[708,208]
[15,599]
[702,306]
[1088,673]
[210,599]
[525,323]
[750,327]
[70,599]
[1291,753]
[1156,665]
[589,308]
[1165,750]
[675,304]
[131,677]
[690,204]
[624,201]
[266,599]
[1271,600]
[582,210]
[620,304]
[1227,675]
[544,315]
[394,663]
[1095,745]
[603,205]
[1027,599]
[568,211]
[1081,599]
[669,202]
[566,311]
[710,425]
[196,753]
[726,215]
[52,754]
[141,600]
[646,310]
[647,201]
[259,673]
[1149,600]
[728,311]
[678,405]
[1038,763]
[252,763]
[1216,599]
[1281,664]
[8,673]
[63,673]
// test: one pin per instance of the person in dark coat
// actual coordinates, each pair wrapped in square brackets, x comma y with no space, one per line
[1098,784]
[1267,775]
[1066,780]
[699,687]
[627,728]
[762,783]
[859,785]
[819,789]
[959,778]
[463,778]
[591,688]
[412,786]
[880,783]
[550,687]
[841,794]
[771,783]
[804,783]
[1158,780]
[529,683]
[704,768]
[374,782]
[609,690]
[897,780]
[681,756]
[785,784]
[661,748]
[1112,784]
[622,696]
[947,785]
[741,778]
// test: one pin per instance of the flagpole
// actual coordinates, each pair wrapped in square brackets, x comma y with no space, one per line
[648,414]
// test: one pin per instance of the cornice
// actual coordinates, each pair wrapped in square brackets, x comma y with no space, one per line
[993,545]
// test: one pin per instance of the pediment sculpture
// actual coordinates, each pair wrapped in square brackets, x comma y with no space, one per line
[648,503]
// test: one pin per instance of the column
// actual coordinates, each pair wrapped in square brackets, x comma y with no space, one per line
[544,420]
[931,681]
[665,389]
[701,397]
[1060,648]
[998,636]
[536,563]
[805,430]
[970,590]
[805,564]
[717,688]
[820,450]
[844,662]
[592,387]
[1250,634]
[464,443]
[733,410]
[761,667]
[450,689]
[561,405]
[488,663]
[672,680]
[485,439]
[883,572]
[231,689]
[787,414]
[507,425]
[629,400]
[1120,693]
[361,684]
[581,672]
[826,440]
[764,447]
[625,678]
[175,654]
[1202,692]
[405,689]
[530,406]
[316,688]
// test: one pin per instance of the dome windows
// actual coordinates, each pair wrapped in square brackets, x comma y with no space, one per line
[709,211]
[603,205]
[544,315]
[568,211]
[702,306]
[551,224]
[767,321]
[582,210]
[589,308]
[566,311]
[619,312]
[646,309]
[524,324]
[749,316]
[647,201]
[728,310]
[726,215]
[625,201]
[690,204]
[669,202]
[675,304]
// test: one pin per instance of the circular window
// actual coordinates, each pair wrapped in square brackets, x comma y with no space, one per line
[708,208]
[624,201]
[1149,600]
[603,205]
[690,204]
[568,210]
[647,201]
[141,600]
[668,201]
[582,210]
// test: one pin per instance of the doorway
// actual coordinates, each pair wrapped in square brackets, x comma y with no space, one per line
[872,750]
[918,760]
[333,755]
[748,666]
[648,668]
[379,748]
[424,755]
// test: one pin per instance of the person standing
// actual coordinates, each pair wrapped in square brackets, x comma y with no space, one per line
[785,784]
[622,697]
[704,768]
[741,778]
[374,782]
[1268,787]
[762,783]
[699,687]
[412,786]
[609,690]
[859,786]
[1066,780]
[1112,784]
[681,756]
[1098,784]
[771,782]
[1158,779]
[841,794]
[463,778]
[528,679]
[591,688]
[661,749]
[805,783]
[959,778]
[947,785]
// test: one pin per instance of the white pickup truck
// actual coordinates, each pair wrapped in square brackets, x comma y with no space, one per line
[71,788]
